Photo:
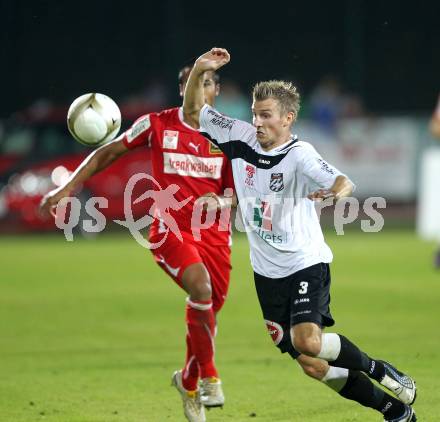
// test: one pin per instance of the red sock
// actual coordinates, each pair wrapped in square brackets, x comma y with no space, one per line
[200,321]
[190,373]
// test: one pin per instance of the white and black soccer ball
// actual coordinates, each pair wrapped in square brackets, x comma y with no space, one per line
[94,119]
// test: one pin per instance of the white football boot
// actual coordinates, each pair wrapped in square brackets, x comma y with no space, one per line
[408,416]
[192,406]
[212,392]
[400,384]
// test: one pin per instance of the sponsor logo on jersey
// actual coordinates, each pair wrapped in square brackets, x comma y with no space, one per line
[263,161]
[269,237]
[220,120]
[302,313]
[262,220]
[191,165]
[170,139]
[138,127]
[194,146]
[263,216]
[303,300]
[387,406]
[276,182]
[214,149]
[325,166]
[275,330]
[250,172]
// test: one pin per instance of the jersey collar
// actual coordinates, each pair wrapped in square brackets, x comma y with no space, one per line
[282,148]
[180,114]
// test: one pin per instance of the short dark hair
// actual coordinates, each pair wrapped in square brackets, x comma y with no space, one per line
[186,69]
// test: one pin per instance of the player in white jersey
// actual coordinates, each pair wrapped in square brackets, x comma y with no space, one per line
[276,178]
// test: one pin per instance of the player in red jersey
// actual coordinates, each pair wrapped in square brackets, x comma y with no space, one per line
[186,167]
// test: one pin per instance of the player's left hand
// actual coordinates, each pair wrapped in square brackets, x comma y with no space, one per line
[213,59]
[50,200]
[321,194]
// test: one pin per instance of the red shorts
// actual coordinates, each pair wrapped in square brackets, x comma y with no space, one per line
[174,257]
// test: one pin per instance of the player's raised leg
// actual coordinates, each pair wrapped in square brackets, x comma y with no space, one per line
[336,349]
[275,301]
[307,318]
[356,386]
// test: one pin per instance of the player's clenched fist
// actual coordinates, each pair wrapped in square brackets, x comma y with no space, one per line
[213,59]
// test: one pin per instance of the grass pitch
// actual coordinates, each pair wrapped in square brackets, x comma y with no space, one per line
[92,331]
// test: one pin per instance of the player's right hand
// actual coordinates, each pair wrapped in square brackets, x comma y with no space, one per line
[213,59]
[51,199]
[321,194]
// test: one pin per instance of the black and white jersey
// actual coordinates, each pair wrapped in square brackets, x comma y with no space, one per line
[272,187]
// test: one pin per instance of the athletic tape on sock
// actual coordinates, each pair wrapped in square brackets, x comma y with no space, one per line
[335,378]
[330,347]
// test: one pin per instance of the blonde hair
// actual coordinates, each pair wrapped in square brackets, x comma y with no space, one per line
[284,92]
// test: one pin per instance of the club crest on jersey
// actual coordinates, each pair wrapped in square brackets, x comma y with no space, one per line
[170,139]
[276,182]
[250,172]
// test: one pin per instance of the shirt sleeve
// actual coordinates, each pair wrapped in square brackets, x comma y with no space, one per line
[315,168]
[140,132]
[221,129]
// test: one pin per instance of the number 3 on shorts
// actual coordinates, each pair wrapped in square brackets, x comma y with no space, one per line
[304,286]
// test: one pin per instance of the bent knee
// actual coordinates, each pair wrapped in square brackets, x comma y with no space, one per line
[309,346]
[312,372]
[197,283]
[201,290]
[314,368]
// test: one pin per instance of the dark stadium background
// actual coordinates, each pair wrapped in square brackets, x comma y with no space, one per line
[386,52]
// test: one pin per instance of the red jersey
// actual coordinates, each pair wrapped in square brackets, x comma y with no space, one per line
[181,156]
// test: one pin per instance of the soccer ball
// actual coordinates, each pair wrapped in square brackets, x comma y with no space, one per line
[93,119]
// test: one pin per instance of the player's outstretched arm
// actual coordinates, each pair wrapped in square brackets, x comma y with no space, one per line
[341,188]
[194,98]
[98,160]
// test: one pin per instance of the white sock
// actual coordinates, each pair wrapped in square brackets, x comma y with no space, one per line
[330,347]
[336,378]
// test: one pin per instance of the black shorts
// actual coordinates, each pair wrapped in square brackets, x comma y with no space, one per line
[300,297]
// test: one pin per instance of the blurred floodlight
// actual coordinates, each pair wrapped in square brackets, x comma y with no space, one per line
[60,175]
[29,183]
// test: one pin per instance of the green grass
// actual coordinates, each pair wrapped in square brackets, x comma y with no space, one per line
[92,331]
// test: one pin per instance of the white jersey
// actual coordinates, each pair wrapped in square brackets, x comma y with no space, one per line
[272,187]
